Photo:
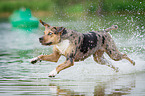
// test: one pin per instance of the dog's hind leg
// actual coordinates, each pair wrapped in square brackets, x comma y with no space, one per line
[99,58]
[127,58]
[116,55]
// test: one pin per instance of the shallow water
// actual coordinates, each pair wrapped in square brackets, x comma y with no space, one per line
[86,78]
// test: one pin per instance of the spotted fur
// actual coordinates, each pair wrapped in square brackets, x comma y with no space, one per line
[76,46]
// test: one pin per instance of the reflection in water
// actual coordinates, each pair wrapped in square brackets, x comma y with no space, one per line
[116,86]
[56,90]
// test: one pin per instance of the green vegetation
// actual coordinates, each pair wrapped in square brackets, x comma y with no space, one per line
[11,5]
[61,7]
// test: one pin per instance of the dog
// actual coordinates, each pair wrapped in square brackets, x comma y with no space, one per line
[77,46]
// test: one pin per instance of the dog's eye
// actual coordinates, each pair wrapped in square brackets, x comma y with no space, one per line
[50,33]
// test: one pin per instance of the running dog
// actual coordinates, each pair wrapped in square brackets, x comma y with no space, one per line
[77,46]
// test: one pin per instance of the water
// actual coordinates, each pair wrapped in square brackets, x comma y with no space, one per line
[86,78]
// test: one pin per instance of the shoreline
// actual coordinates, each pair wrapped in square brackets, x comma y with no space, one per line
[48,14]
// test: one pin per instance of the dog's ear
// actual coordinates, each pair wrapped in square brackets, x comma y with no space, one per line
[60,29]
[43,23]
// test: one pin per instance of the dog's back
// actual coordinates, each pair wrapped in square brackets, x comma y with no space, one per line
[87,44]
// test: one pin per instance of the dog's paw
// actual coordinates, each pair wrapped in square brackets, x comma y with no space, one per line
[53,73]
[34,60]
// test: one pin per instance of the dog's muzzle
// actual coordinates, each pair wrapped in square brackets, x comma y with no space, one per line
[40,39]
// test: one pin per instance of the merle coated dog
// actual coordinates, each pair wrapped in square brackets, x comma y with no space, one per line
[77,46]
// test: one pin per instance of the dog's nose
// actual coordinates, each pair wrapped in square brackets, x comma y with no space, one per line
[41,39]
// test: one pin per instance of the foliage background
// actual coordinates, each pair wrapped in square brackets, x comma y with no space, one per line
[73,7]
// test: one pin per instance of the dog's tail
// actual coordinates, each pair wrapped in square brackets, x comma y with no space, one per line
[113,27]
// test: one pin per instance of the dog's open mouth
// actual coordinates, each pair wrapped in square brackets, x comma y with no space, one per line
[48,43]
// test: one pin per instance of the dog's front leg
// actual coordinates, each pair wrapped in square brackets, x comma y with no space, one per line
[68,63]
[34,60]
[52,57]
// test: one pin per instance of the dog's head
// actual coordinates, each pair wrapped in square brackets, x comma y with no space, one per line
[52,34]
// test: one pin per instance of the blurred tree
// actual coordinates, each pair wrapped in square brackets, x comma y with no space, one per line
[61,7]
[99,11]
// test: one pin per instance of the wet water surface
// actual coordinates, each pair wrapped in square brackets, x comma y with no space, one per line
[86,78]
